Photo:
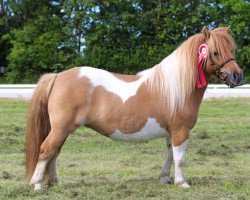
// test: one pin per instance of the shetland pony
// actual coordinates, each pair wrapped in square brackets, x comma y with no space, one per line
[160,102]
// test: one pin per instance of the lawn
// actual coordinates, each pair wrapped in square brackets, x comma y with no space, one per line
[91,166]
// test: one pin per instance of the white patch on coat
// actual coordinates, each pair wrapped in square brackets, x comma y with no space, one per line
[151,130]
[99,77]
[146,72]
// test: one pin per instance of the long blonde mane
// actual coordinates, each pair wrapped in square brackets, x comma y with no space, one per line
[174,79]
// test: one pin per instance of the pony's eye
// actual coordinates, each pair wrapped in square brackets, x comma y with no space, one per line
[215,53]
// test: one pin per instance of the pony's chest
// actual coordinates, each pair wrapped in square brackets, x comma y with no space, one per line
[151,130]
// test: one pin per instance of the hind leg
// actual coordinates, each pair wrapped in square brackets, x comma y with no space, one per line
[67,108]
[51,175]
[37,177]
[48,153]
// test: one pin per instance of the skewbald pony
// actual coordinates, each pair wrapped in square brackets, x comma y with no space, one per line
[161,102]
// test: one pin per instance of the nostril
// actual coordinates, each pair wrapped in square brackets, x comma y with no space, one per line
[235,76]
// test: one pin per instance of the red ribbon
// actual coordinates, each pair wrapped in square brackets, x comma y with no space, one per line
[201,81]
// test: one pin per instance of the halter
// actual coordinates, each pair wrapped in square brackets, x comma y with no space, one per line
[218,72]
[202,63]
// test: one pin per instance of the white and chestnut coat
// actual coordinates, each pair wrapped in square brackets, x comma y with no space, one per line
[162,101]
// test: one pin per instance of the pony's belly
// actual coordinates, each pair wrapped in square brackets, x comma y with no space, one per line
[151,130]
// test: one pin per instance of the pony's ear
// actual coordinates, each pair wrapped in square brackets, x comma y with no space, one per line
[205,32]
[229,30]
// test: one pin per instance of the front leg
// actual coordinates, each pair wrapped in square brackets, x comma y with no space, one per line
[179,160]
[165,171]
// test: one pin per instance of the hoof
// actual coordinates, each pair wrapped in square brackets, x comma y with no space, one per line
[165,180]
[52,181]
[183,185]
[38,186]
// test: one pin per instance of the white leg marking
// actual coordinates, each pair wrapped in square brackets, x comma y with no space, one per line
[37,177]
[179,160]
[165,171]
[38,186]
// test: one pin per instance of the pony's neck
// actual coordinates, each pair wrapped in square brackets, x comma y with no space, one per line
[166,81]
[174,79]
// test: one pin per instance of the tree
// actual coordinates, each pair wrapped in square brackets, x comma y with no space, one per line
[39,46]
[121,36]
[7,21]
[237,15]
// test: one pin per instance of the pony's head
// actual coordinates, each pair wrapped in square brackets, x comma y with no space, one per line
[221,56]
[175,78]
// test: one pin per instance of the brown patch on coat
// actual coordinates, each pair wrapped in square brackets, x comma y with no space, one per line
[129,117]
[185,120]
[70,100]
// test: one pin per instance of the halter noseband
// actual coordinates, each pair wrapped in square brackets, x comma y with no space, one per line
[218,72]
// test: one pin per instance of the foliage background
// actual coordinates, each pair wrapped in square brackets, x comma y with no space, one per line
[37,37]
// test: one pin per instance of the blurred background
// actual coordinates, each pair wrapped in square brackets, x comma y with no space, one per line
[125,36]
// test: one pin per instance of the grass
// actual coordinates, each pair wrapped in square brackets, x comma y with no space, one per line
[91,166]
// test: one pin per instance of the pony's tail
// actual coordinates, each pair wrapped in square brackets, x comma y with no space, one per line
[38,126]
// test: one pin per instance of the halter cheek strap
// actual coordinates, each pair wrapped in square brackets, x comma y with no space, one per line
[201,81]
[218,72]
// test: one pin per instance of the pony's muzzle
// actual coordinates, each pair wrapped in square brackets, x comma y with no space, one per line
[234,78]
